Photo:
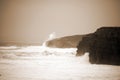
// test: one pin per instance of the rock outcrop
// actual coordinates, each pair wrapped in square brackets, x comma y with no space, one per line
[65,42]
[103,46]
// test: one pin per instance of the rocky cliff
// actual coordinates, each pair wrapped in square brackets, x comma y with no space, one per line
[103,46]
[65,42]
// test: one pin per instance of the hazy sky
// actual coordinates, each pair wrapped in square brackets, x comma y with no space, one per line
[32,21]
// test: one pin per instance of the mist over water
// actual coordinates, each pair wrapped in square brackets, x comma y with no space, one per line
[45,63]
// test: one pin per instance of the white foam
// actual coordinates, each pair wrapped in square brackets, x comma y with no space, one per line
[8,47]
[53,67]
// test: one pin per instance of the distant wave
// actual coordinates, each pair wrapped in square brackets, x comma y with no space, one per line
[8,47]
[31,51]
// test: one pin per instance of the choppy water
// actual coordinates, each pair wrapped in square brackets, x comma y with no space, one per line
[42,63]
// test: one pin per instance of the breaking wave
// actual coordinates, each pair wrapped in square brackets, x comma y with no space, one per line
[36,52]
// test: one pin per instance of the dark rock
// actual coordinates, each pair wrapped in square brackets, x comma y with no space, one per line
[65,42]
[103,46]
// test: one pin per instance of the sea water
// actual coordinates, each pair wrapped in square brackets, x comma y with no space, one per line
[43,63]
